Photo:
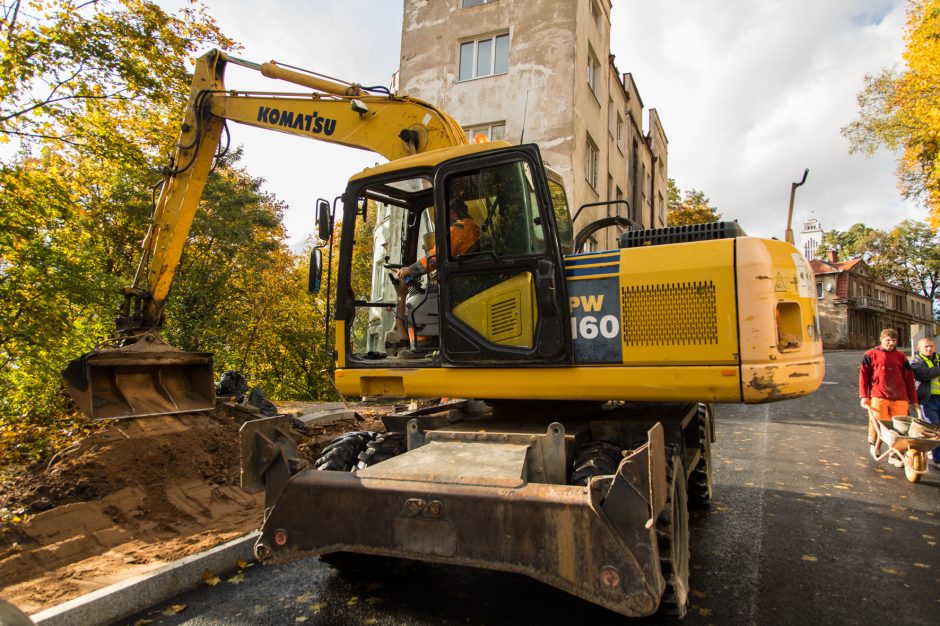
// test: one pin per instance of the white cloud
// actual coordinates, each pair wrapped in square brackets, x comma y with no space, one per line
[752,93]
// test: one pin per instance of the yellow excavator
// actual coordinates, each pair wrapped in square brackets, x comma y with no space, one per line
[592,374]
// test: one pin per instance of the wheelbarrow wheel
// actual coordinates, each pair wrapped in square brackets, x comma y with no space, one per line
[914,463]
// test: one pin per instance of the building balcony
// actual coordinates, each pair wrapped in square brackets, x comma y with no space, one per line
[868,303]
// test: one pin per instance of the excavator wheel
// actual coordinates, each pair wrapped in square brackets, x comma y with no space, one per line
[382,448]
[700,480]
[342,453]
[672,536]
[595,458]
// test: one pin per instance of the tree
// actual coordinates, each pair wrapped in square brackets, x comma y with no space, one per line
[858,241]
[898,110]
[692,207]
[907,255]
[78,73]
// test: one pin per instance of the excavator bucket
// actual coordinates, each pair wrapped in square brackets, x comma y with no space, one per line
[146,378]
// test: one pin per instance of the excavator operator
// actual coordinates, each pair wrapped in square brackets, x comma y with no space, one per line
[464,234]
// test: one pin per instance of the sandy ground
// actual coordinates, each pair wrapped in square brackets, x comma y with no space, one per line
[129,499]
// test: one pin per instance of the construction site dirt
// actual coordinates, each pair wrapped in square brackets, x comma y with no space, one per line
[130,498]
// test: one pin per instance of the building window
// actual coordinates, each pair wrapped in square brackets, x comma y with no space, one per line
[590,163]
[593,69]
[819,290]
[484,57]
[466,4]
[596,12]
[662,208]
[620,132]
[492,132]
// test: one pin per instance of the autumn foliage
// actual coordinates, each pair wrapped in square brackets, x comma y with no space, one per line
[901,110]
[91,97]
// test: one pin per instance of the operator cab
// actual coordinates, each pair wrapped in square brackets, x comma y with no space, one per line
[457,261]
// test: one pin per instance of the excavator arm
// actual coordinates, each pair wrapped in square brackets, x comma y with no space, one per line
[145,376]
[344,114]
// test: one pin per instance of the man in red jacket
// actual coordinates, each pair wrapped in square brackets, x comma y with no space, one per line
[886,381]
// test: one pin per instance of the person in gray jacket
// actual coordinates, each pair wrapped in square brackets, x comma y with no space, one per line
[926,366]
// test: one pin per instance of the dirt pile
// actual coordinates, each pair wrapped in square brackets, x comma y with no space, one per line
[128,499]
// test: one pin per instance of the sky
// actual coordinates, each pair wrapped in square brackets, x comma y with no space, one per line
[749,93]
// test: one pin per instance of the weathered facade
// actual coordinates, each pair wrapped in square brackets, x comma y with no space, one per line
[541,71]
[854,307]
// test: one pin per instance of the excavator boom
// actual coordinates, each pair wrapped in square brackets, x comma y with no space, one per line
[145,376]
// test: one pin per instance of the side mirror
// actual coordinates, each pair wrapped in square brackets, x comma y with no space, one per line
[316,270]
[324,220]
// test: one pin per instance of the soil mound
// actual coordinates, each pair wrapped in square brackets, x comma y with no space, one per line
[124,500]
[137,495]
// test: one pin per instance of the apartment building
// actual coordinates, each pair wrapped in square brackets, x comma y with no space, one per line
[540,71]
[854,307]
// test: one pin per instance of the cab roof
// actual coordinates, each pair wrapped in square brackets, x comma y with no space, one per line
[431,158]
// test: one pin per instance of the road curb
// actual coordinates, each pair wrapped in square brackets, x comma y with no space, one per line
[129,597]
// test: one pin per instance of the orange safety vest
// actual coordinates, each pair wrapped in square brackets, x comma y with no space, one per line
[463,234]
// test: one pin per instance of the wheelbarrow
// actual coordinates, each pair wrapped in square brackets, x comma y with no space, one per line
[894,441]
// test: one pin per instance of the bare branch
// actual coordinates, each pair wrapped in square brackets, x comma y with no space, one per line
[41,136]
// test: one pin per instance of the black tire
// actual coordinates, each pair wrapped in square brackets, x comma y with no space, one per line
[595,458]
[700,480]
[672,537]
[382,448]
[342,453]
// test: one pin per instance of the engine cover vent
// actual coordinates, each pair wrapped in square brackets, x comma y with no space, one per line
[669,314]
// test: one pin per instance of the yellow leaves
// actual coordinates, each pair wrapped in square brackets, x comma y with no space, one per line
[891,571]
[237,579]
[173,609]
[210,579]
[809,558]
[353,601]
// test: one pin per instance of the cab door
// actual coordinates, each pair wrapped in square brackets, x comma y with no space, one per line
[503,294]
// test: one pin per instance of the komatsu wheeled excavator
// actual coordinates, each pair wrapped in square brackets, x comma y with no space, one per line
[592,374]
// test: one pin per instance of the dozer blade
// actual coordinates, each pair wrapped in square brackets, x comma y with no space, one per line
[596,542]
[146,378]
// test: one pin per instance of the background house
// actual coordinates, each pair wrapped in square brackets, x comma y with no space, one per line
[854,307]
[541,71]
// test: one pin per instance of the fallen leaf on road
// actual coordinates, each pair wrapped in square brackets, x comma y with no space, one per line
[892,571]
[809,557]
[210,579]
[913,517]
[174,609]
[705,612]
[319,606]
[244,564]
[374,600]
[698,594]
[371,621]
[928,536]
[888,476]
[352,601]
[302,618]
[237,579]
[922,565]
[305,598]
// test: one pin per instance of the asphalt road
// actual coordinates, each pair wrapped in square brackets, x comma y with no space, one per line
[804,528]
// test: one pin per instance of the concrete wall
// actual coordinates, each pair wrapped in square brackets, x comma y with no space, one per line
[537,89]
